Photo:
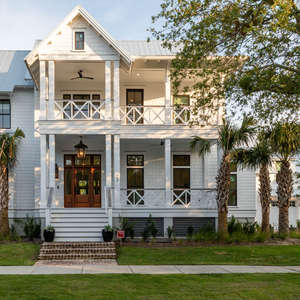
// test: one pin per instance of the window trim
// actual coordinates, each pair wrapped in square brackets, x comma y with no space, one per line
[236,190]
[74,40]
[6,114]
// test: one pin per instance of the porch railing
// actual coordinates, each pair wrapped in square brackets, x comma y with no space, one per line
[79,109]
[200,198]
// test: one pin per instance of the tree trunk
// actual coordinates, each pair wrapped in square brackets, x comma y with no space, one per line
[223,186]
[284,180]
[4,197]
[265,197]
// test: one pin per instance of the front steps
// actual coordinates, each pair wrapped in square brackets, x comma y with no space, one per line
[77,251]
[78,224]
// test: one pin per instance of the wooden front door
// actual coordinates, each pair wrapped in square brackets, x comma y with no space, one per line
[82,181]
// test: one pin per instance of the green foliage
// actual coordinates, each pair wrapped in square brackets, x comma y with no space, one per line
[150,228]
[127,227]
[252,46]
[170,232]
[190,231]
[108,228]
[32,228]
[146,234]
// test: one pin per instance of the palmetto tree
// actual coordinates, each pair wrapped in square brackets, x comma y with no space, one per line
[259,156]
[285,142]
[230,137]
[8,157]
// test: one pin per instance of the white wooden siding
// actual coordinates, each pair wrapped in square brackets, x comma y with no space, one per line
[63,42]
[22,188]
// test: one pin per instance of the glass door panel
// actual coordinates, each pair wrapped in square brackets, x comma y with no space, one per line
[135,98]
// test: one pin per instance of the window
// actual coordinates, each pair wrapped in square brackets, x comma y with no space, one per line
[181,115]
[4,114]
[135,180]
[181,180]
[135,97]
[233,186]
[79,40]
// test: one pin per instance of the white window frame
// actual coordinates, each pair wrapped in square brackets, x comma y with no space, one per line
[235,173]
[74,39]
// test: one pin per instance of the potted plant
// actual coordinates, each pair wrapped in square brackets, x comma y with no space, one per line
[107,233]
[49,233]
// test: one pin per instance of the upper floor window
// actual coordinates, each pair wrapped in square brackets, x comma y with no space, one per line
[79,40]
[181,114]
[5,117]
[233,186]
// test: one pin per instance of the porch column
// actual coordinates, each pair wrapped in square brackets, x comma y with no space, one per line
[52,161]
[107,162]
[168,171]
[116,83]
[107,90]
[117,199]
[168,96]
[43,171]
[42,90]
[51,89]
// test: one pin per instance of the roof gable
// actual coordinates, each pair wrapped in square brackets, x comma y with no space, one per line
[78,18]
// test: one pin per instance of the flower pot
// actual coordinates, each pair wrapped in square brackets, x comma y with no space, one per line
[49,235]
[107,235]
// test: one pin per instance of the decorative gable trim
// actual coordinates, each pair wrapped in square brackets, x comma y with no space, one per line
[78,10]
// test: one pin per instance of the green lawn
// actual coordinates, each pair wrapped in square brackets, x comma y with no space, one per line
[18,254]
[64,287]
[235,255]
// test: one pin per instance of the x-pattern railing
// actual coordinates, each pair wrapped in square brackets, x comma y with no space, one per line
[135,114]
[181,115]
[135,197]
[79,109]
[181,197]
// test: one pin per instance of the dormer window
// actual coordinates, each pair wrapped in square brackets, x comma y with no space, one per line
[79,40]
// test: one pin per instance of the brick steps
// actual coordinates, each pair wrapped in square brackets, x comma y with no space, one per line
[77,251]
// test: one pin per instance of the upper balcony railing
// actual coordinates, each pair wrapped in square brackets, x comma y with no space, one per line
[129,114]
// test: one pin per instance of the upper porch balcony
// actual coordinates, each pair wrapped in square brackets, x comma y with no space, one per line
[107,94]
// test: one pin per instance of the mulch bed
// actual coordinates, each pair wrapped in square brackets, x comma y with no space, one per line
[163,243]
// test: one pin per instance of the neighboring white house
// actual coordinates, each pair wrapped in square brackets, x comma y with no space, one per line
[79,84]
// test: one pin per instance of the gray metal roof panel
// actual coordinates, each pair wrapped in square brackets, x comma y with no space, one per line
[145,48]
[13,71]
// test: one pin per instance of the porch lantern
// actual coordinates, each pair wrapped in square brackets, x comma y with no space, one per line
[80,149]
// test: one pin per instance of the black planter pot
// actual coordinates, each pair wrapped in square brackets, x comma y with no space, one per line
[49,235]
[107,235]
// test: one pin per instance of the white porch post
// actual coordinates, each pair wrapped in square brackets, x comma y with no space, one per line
[117,200]
[116,84]
[43,183]
[168,171]
[52,161]
[168,96]
[108,193]
[42,90]
[108,90]
[51,89]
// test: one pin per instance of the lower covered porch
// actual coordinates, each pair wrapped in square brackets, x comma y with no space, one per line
[130,178]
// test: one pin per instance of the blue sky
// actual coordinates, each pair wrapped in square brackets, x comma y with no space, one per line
[23,22]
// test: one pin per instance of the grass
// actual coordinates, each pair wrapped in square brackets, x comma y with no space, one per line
[235,255]
[18,254]
[225,287]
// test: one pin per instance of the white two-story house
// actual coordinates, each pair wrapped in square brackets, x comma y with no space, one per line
[107,138]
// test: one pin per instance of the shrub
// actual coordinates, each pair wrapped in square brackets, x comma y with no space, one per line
[170,232]
[234,225]
[126,227]
[190,231]
[146,234]
[298,225]
[151,227]
[32,228]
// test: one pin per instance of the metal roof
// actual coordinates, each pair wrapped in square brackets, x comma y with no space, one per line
[13,71]
[145,48]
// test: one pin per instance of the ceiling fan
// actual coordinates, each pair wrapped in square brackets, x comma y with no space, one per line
[80,76]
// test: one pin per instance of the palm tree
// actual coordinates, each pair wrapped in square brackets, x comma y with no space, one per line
[259,156]
[230,137]
[285,142]
[8,155]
